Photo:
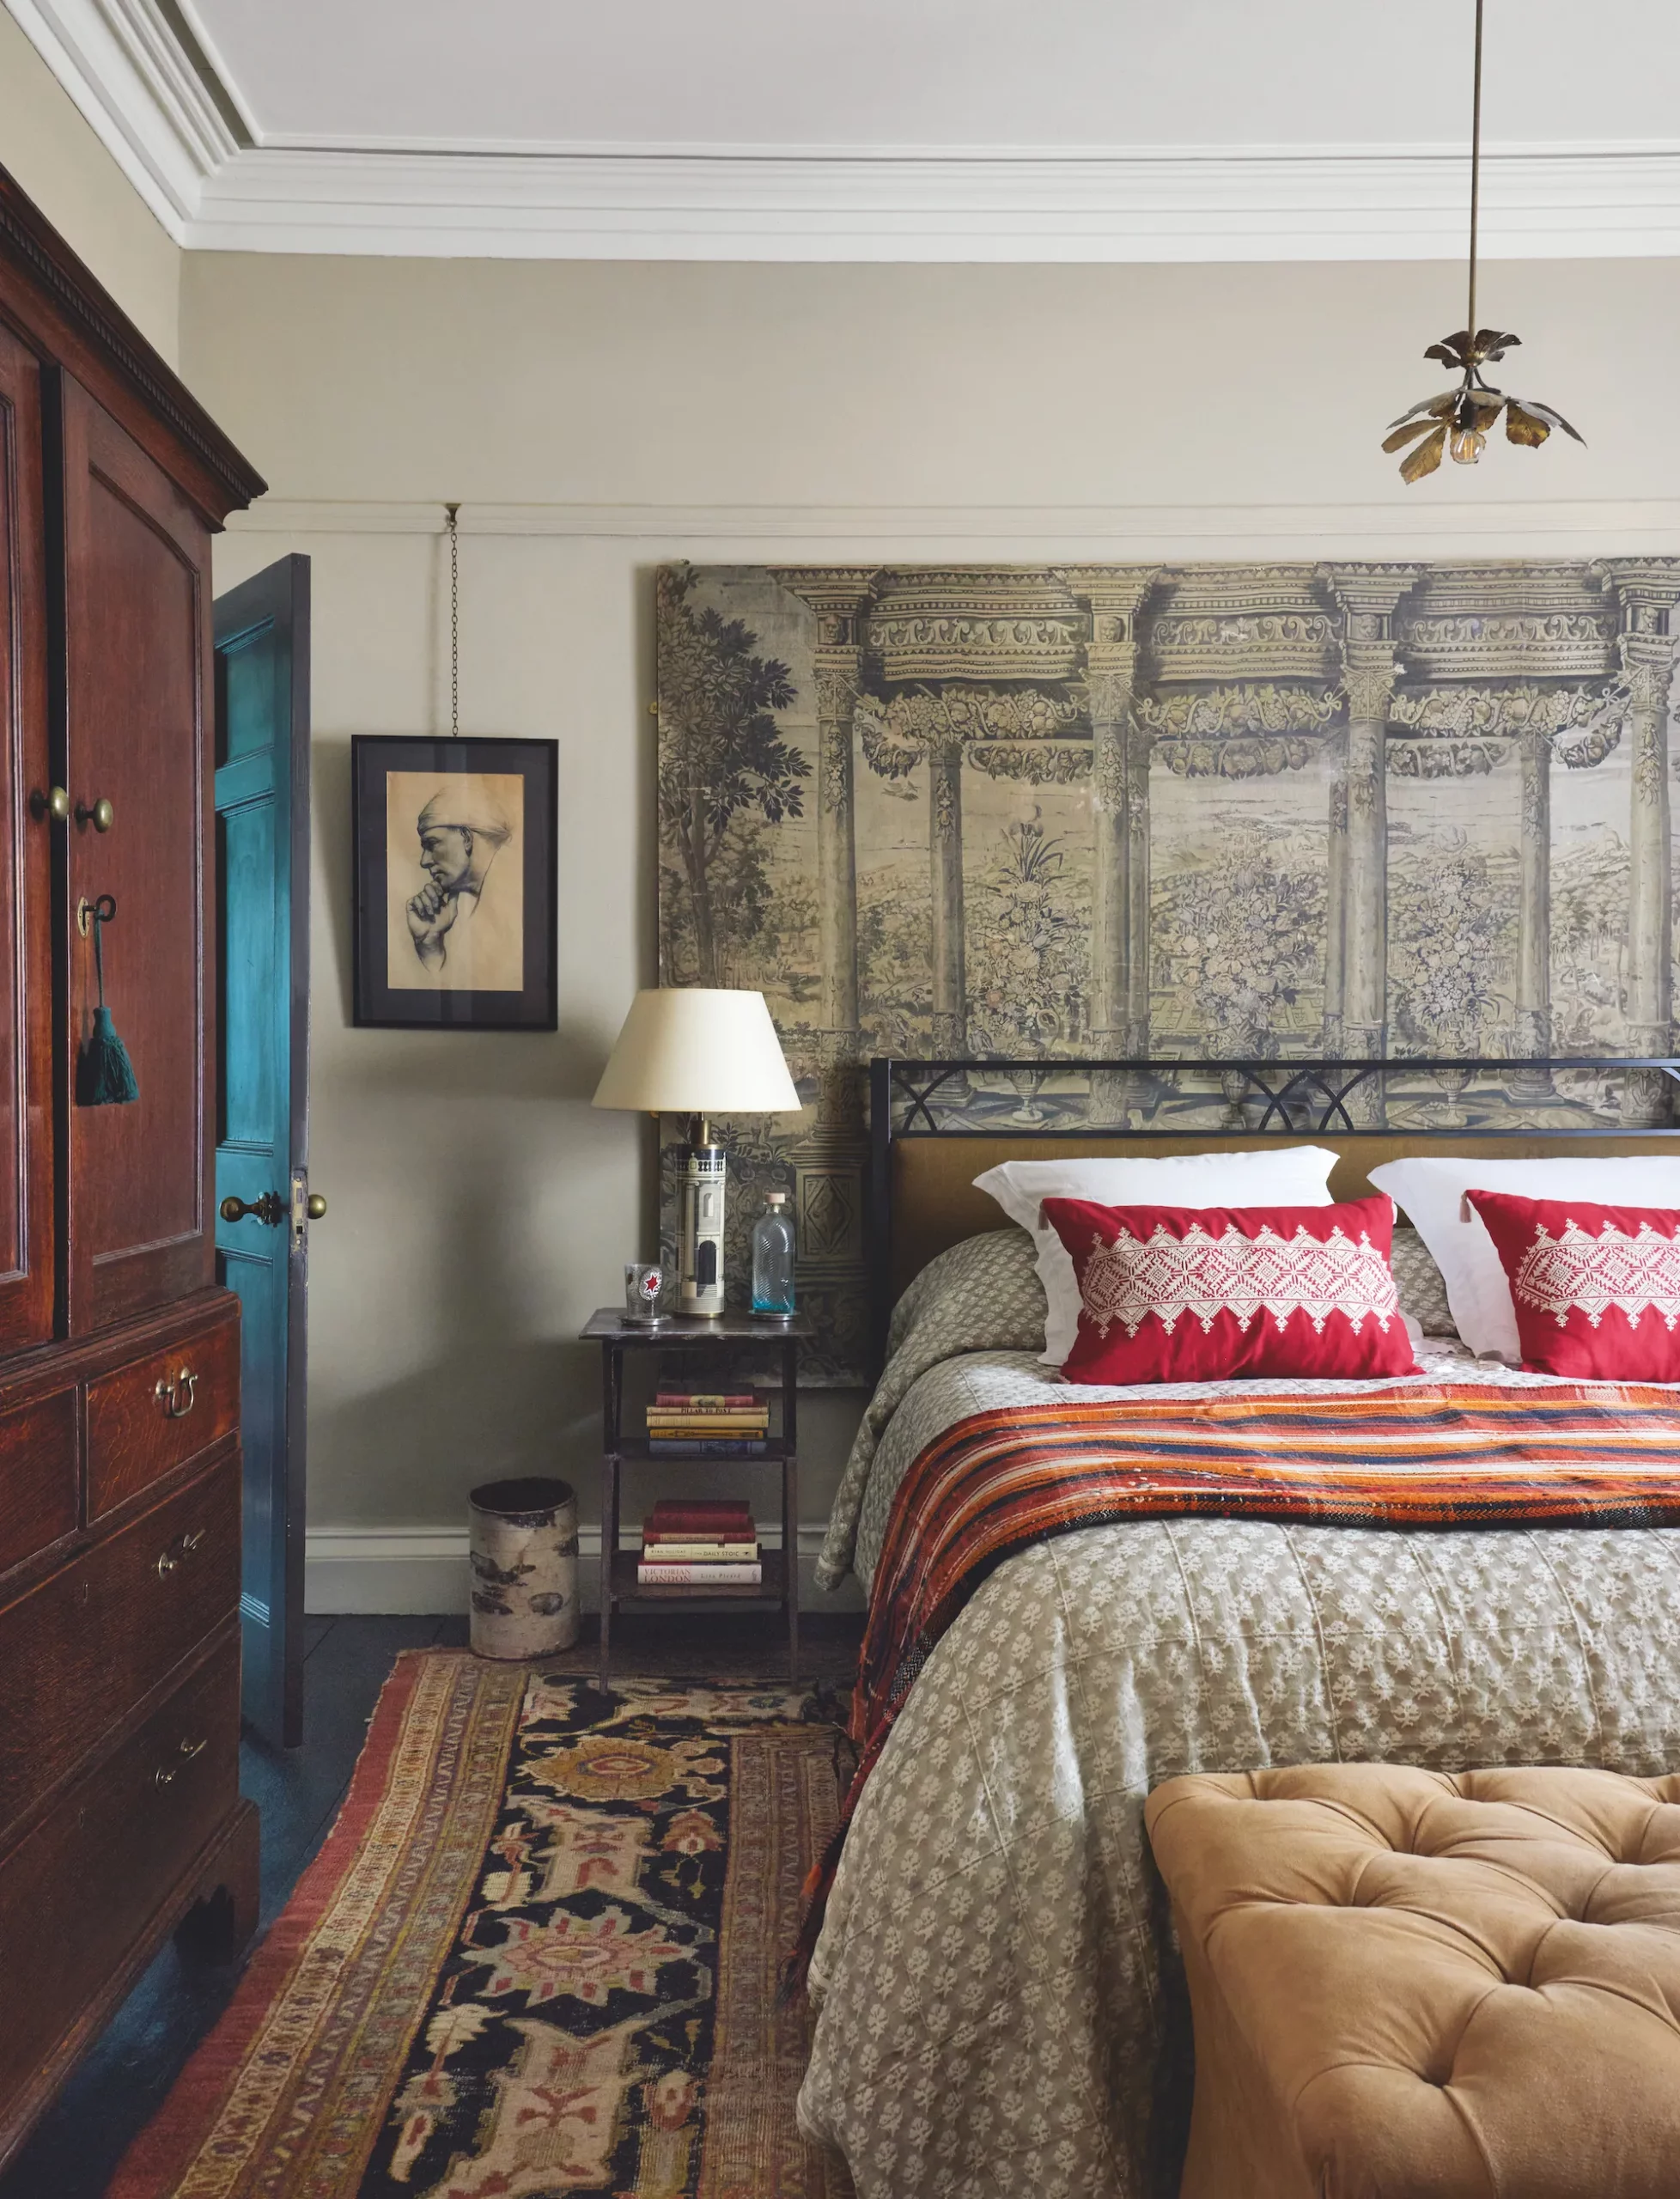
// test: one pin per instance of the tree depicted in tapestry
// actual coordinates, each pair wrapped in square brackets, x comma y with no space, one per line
[1362,811]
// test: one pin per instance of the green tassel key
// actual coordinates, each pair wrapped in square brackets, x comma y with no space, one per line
[104,1073]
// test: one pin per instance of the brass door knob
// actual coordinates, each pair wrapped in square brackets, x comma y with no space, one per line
[101,816]
[54,803]
[316,1206]
[271,1208]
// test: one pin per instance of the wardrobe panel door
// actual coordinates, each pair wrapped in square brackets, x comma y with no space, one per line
[136,650]
[26,1261]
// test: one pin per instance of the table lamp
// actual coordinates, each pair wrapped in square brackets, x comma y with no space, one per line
[699,1050]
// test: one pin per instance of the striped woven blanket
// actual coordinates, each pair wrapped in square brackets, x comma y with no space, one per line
[1416,1457]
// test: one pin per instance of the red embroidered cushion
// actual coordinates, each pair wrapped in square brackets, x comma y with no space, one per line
[1596,1289]
[1201,1294]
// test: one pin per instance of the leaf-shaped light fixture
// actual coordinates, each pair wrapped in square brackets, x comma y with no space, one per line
[1460,420]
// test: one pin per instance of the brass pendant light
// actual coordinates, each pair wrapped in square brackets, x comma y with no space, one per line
[1460,420]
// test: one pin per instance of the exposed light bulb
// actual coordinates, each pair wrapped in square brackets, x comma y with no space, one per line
[1467,445]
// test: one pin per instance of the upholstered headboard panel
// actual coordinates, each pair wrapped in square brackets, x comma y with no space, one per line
[934,1203]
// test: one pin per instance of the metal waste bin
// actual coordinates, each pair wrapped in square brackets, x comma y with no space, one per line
[524,1558]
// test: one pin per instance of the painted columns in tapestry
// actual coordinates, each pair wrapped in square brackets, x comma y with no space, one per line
[1119,1008]
[1369,595]
[969,667]
[1333,1040]
[1647,591]
[1534,907]
[1506,663]
[828,1162]
[949,1023]
[839,596]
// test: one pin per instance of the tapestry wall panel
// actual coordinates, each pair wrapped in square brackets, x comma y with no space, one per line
[1219,812]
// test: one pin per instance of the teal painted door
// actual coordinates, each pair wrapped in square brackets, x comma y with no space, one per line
[262,1154]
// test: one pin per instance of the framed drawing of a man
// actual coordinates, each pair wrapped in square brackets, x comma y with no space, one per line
[455,880]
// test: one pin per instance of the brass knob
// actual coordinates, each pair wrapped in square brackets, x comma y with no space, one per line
[316,1206]
[271,1208]
[54,804]
[101,816]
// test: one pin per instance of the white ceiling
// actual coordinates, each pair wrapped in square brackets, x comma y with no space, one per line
[982,75]
[895,129]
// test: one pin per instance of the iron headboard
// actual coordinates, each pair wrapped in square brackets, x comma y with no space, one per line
[1395,1103]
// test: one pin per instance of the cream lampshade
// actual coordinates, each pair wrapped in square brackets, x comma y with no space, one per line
[699,1050]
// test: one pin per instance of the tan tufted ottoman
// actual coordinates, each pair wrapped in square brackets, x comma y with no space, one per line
[1413,1985]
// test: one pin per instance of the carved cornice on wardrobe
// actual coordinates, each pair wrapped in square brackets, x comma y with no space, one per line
[95,320]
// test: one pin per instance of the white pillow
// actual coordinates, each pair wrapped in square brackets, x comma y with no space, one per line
[1297,1175]
[1430,1192]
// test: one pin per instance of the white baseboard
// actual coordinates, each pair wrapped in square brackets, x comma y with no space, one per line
[369,1569]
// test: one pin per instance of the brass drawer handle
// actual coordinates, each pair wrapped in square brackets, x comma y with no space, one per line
[183,1546]
[100,814]
[165,1772]
[168,1393]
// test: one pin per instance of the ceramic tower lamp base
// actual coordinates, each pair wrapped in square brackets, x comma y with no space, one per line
[700,1051]
[700,1249]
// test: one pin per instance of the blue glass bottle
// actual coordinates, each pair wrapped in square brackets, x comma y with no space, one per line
[773,1258]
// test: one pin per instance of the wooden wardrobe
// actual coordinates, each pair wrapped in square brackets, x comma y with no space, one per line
[120,1465]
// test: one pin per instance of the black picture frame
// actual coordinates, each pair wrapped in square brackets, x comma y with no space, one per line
[508,934]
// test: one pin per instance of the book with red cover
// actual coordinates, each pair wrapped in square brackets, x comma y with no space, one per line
[707,1446]
[715,1519]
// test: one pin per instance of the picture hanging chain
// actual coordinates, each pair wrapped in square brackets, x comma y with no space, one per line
[454,624]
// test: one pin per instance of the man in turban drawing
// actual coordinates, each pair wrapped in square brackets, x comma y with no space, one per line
[462,830]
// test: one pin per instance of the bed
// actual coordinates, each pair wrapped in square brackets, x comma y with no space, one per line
[999,2004]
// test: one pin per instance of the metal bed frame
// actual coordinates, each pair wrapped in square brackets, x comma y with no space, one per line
[1287,1099]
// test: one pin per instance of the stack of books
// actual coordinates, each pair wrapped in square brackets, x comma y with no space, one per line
[700,1542]
[708,1424]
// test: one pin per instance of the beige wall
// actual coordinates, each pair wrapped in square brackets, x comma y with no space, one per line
[62,165]
[621,414]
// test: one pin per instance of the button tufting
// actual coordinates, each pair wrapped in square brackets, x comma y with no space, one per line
[1434,1952]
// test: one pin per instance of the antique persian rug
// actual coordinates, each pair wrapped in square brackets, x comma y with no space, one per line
[538,1954]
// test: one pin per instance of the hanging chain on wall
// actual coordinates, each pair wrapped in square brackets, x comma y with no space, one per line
[450,511]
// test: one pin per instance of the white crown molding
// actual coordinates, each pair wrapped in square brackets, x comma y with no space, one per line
[1243,203]
[121,62]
